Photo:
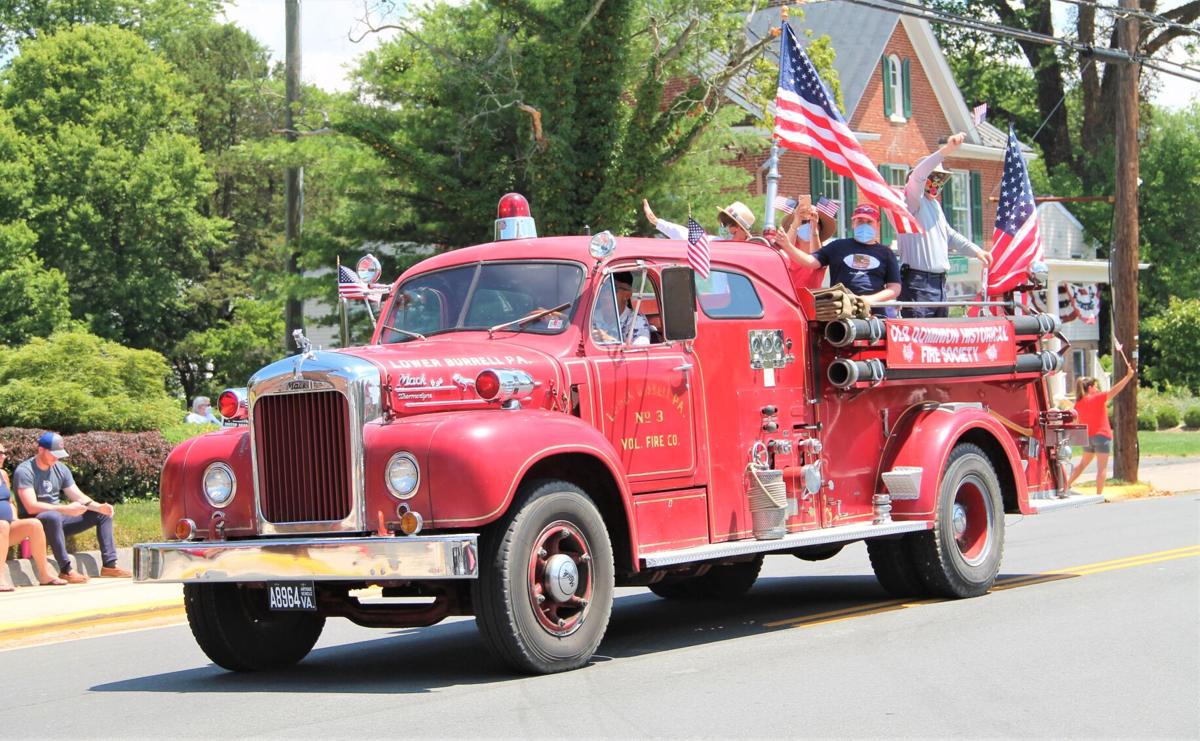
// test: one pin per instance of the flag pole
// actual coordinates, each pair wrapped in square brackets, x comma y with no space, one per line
[772,189]
[773,162]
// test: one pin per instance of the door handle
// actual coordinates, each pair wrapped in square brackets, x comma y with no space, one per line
[685,367]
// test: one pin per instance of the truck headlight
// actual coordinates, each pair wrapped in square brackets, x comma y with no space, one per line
[403,475]
[219,484]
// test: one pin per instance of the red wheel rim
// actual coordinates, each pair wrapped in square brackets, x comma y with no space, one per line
[971,520]
[560,578]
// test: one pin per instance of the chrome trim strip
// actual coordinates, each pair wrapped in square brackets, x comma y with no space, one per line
[839,534]
[311,559]
[1077,500]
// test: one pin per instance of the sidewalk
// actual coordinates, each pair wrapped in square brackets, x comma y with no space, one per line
[35,614]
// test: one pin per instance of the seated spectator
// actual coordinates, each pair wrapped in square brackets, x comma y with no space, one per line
[41,481]
[201,413]
[13,530]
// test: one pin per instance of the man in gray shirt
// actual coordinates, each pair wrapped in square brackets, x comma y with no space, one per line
[40,483]
[926,256]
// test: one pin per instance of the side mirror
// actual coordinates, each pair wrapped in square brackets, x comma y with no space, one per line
[679,304]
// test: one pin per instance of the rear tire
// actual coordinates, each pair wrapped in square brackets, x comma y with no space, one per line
[892,561]
[238,633]
[961,556]
[545,588]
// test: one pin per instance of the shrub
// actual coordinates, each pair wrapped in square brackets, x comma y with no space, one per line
[1147,420]
[108,466]
[176,434]
[1191,418]
[1168,416]
[76,382]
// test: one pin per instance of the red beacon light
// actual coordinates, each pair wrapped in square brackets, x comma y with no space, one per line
[512,218]
[234,404]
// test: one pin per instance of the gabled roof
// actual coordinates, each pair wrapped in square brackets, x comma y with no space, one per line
[858,34]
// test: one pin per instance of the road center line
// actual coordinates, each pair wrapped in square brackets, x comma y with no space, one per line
[873,608]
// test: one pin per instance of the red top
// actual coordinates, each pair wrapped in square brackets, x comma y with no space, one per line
[803,277]
[1093,412]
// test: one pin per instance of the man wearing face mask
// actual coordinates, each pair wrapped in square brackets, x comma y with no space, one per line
[736,219]
[926,256]
[861,264]
[805,230]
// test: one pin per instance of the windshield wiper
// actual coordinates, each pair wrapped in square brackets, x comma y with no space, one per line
[530,317]
[418,335]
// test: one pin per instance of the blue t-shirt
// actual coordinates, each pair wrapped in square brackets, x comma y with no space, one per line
[6,509]
[863,268]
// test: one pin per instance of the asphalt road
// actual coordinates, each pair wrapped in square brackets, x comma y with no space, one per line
[1109,646]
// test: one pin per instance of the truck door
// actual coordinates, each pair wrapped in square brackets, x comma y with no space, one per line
[644,385]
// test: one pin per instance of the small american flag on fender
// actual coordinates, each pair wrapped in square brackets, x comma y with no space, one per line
[697,253]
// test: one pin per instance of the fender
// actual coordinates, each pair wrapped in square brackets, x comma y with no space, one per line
[926,437]
[181,488]
[476,461]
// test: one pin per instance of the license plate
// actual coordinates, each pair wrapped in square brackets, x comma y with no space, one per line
[292,596]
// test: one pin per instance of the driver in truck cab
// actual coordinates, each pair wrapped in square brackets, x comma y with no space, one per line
[607,327]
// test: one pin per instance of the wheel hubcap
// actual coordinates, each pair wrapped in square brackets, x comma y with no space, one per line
[560,578]
[971,520]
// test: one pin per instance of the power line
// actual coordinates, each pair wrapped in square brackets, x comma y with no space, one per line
[1101,53]
[1119,12]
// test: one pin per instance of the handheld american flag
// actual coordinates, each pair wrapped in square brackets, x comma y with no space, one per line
[697,253]
[829,207]
[1015,241]
[808,121]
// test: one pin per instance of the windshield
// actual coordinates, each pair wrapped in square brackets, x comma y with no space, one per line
[484,295]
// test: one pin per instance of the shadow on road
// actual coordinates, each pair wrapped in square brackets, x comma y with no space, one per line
[421,660]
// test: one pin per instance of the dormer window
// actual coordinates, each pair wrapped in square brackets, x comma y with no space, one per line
[897,89]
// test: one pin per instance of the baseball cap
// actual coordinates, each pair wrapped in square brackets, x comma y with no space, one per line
[53,442]
[866,211]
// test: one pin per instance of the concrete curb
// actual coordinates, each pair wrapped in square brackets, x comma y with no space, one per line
[24,574]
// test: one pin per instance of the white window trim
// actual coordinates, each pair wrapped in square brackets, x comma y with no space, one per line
[896,80]
[966,196]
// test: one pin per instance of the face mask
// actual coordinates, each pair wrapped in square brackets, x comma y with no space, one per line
[804,232]
[864,233]
[723,232]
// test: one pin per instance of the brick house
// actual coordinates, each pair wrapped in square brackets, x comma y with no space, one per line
[901,100]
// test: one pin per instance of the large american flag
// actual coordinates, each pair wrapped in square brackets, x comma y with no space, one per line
[697,253]
[1015,242]
[808,121]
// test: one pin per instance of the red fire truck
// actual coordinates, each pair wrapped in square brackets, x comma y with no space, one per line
[524,433]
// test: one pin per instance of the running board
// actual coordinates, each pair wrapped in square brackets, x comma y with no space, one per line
[1075,500]
[823,536]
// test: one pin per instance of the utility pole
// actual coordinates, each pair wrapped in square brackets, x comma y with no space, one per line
[1124,253]
[293,313]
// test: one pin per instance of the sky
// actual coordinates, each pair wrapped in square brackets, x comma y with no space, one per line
[328,54]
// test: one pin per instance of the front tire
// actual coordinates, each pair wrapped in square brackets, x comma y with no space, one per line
[961,556]
[545,588]
[238,633]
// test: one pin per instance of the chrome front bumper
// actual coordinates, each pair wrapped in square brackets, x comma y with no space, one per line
[309,559]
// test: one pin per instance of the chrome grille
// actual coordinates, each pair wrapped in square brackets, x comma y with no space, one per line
[302,443]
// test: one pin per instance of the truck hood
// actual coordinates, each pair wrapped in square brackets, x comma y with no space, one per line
[439,373]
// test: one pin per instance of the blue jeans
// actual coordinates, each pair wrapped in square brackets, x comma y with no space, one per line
[917,285]
[58,526]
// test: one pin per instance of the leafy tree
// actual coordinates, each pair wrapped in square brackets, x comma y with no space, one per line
[585,107]
[123,390]
[236,347]
[33,300]
[118,178]
[153,20]
[1175,334]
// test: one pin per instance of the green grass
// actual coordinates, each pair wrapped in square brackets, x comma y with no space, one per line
[137,521]
[1171,442]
